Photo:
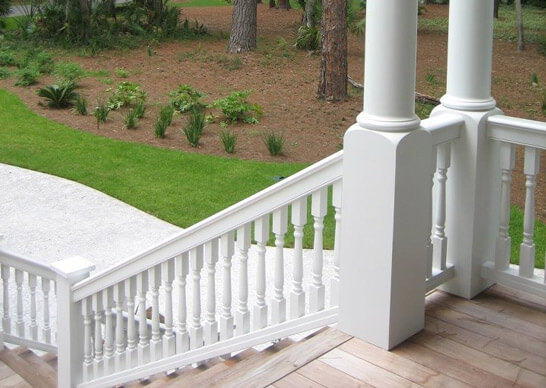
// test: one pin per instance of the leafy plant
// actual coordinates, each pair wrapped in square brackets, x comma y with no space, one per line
[41,60]
[431,79]
[160,128]
[70,71]
[4,72]
[27,76]
[58,96]
[228,140]
[186,98]
[80,105]
[101,113]
[309,38]
[237,108]
[121,73]
[140,109]
[274,142]
[130,119]
[194,127]
[126,93]
[534,79]
[166,114]
[7,58]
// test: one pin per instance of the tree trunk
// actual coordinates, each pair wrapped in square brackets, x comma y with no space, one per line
[333,56]
[309,17]
[243,26]
[283,4]
[496,9]
[519,21]
[271,3]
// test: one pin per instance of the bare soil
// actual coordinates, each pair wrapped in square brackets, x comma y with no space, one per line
[284,81]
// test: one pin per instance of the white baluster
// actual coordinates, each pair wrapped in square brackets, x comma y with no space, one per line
[297,295]
[316,288]
[19,322]
[154,279]
[130,294]
[169,341]
[226,318]
[261,235]
[46,330]
[143,349]
[527,247]
[439,239]
[504,242]
[98,361]
[182,337]
[33,325]
[119,296]
[108,331]
[196,329]
[242,316]
[211,325]
[6,319]
[278,303]
[432,200]
[87,340]
[336,203]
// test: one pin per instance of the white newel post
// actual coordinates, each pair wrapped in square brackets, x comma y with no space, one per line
[386,176]
[473,190]
[70,327]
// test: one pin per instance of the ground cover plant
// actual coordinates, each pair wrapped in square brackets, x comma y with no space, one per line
[236,107]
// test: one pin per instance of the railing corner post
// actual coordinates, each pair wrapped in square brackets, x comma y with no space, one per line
[69,322]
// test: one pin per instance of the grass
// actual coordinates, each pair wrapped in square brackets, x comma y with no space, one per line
[516,233]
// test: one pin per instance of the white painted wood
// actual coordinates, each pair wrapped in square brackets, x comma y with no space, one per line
[131,357]
[87,340]
[109,331]
[504,242]
[143,347]
[33,326]
[6,318]
[439,238]
[98,359]
[336,203]
[211,324]
[527,248]
[46,330]
[317,291]
[226,318]
[242,315]
[196,329]
[297,294]
[182,336]
[19,322]
[261,235]
[154,280]
[169,340]
[431,200]
[278,302]
[443,128]
[119,298]
[515,130]
[510,277]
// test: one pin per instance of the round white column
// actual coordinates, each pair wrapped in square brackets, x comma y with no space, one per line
[469,57]
[389,76]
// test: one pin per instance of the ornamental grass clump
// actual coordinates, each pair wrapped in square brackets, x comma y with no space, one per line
[274,142]
[130,120]
[80,105]
[166,114]
[140,109]
[101,113]
[195,126]
[228,140]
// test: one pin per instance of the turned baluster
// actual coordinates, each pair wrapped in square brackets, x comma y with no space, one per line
[87,340]
[439,239]
[19,322]
[504,242]
[278,303]
[119,296]
[143,349]
[336,203]
[169,341]
[226,318]
[242,316]
[211,325]
[318,211]
[429,227]
[108,331]
[297,295]
[6,319]
[182,337]
[98,361]
[33,325]
[527,248]
[196,329]
[130,295]
[261,235]
[46,329]
[154,280]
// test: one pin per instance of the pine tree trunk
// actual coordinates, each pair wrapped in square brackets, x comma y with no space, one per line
[309,13]
[243,27]
[283,4]
[333,57]
[496,9]
[519,21]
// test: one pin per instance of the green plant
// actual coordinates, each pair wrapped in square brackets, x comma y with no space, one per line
[186,98]
[121,73]
[4,72]
[166,114]
[27,76]
[70,71]
[140,109]
[126,93]
[228,140]
[58,96]
[534,79]
[160,128]
[7,58]
[4,7]
[101,113]
[274,142]
[80,105]
[309,38]
[237,108]
[431,79]
[130,119]
[194,128]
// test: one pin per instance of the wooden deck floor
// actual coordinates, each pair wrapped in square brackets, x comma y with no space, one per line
[496,340]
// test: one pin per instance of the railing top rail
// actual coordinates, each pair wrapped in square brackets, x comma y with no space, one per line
[444,127]
[264,202]
[517,131]
[27,265]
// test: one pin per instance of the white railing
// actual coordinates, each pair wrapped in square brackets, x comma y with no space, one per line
[531,135]
[31,286]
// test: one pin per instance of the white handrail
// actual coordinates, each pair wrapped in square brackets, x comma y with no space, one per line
[517,131]
[281,194]
[13,260]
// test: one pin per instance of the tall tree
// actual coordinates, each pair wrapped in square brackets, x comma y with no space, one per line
[496,9]
[333,56]
[519,21]
[243,26]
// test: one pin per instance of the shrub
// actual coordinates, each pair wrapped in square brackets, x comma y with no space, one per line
[228,140]
[274,142]
[7,58]
[140,109]
[121,73]
[58,96]
[236,107]
[309,38]
[4,7]
[80,105]
[166,114]
[194,127]
[186,98]
[69,71]
[27,76]
[130,119]
[126,93]
[41,60]
[4,72]
[160,128]
[101,113]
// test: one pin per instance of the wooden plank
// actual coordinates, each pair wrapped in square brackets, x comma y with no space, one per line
[507,306]
[5,371]
[14,381]
[330,376]
[399,365]
[491,346]
[363,370]
[521,297]
[23,369]
[296,380]
[513,373]
[276,366]
[493,317]
[483,327]
[41,367]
